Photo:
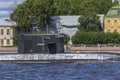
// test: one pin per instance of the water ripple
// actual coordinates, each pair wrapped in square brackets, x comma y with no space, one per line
[63,71]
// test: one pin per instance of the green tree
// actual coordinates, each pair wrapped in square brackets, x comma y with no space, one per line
[103,6]
[66,38]
[20,14]
[95,38]
[37,10]
[89,22]
[61,7]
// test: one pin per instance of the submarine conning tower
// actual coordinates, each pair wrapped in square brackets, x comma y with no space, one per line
[41,43]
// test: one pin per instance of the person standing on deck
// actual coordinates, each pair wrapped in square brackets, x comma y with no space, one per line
[68,48]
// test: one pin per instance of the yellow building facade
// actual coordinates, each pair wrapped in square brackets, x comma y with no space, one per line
[6,33]
[112,20]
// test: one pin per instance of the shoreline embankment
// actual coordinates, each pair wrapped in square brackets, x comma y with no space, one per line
[10,54]
[80,49]
[60,57]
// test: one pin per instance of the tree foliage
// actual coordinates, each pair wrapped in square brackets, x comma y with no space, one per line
[40,11]
[66,38]
[37,10]
[20,14]
[95,38]
[89,23]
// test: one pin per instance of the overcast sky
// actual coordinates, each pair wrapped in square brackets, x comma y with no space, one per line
[7,6]
[11,0]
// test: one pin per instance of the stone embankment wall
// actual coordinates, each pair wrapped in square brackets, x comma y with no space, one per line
[97,48]
[85,49]
[8,49]
[49,57]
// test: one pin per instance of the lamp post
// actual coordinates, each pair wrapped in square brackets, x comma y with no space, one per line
[58,26]
[46,26]
[70,41]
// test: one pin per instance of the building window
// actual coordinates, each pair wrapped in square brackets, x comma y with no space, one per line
[8,41]
[2,41]
[115,21]
[115,30]
[8,31]
[2,31]
[108,21]
[108,30]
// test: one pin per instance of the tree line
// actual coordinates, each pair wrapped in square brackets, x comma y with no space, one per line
[39,11]
[95,38]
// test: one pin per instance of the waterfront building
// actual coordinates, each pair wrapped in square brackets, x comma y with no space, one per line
[65,24]
[6,32]
[112,20]
[68,24]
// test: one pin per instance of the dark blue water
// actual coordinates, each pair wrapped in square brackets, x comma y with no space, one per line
[61,71]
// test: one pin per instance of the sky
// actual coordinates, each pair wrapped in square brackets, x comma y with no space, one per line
[7,7]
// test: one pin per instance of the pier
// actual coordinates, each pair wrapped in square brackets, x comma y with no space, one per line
[60,57]
[10,54]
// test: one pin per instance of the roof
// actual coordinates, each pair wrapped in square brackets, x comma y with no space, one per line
[67,20]
[7,23]
[114,12]
[70,21]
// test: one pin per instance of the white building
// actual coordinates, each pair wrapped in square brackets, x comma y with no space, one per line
[68,24]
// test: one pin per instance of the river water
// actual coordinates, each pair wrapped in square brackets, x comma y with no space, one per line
[61,71]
